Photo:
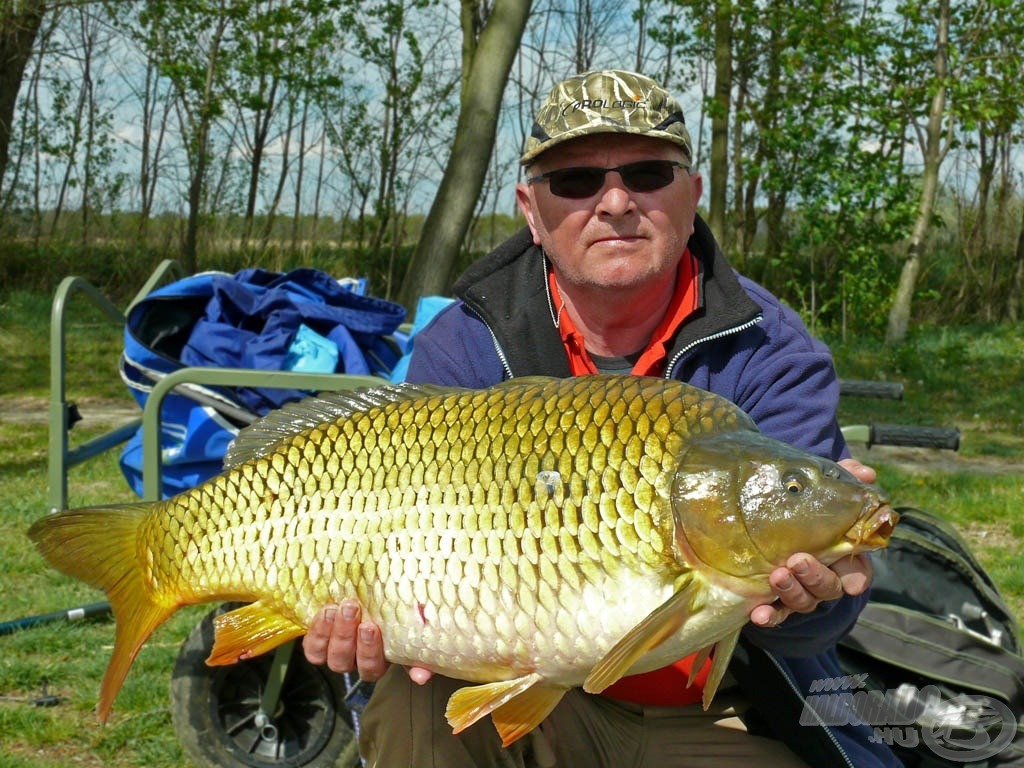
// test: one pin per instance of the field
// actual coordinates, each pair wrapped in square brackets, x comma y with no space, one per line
[971,378]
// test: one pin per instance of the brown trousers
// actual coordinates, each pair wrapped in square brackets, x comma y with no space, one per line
[404,726]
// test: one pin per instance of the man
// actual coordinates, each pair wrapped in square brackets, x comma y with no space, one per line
[616,273]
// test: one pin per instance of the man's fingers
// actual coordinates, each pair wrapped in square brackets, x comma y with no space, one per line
[331,638]
[318,636]
[855,573]
[815,578]
[862,472]
[805,582]
[769,615]
[419,675]
[370,653]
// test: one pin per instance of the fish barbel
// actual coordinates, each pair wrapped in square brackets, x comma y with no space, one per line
[534,536]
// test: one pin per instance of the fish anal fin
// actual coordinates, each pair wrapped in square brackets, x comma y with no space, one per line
[469,704]
[659,625]
[719,663]
[699,659]
[522,714]
[251,630]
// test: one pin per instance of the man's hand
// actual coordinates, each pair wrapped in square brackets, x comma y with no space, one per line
[805,582]
[338,638]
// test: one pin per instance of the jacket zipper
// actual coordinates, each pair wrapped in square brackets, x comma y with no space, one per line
[500,352]
[494,339]
[712,337]
[828,731]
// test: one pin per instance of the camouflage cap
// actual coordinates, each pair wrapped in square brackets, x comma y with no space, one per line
[609,101]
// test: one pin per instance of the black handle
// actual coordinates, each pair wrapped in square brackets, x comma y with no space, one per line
[922,437]
[883,390]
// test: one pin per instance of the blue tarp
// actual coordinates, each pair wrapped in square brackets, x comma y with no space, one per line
[300,320]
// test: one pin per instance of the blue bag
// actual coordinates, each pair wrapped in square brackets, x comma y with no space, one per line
[303,320]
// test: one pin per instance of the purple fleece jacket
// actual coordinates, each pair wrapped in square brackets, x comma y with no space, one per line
[742,344]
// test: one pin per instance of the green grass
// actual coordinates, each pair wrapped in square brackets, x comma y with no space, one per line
[67,660]
[970,378]
[94,344]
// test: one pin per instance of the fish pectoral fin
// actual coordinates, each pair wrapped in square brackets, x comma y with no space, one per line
[719,663]
[658,626]
[469,704]
[250,631]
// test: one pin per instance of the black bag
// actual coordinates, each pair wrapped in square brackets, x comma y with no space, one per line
[934,662]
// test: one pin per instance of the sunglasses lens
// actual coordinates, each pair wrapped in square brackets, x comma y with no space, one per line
[576,182]
[647,176]
[582,182]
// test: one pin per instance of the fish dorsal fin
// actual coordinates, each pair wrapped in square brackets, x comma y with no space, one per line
[658,626]
[521,381]
[259,438]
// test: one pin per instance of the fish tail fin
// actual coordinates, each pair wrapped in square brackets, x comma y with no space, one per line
[98,546]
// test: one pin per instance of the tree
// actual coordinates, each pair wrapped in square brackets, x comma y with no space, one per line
[489,47]
[934,138]
[19,23]
[197,83]
[720,109]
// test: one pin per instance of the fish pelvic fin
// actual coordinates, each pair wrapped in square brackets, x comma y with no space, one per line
[719,663]
[516,706]
[658,626]
[98,546]
[249,631]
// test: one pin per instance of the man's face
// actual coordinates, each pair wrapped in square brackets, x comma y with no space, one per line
[616,238]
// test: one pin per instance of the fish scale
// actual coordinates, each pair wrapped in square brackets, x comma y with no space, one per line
[528,537]
[465,494]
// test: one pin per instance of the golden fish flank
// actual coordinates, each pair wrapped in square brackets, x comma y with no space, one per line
[531,537]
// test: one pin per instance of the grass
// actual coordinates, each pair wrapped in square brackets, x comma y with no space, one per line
[969,378]
[64,659]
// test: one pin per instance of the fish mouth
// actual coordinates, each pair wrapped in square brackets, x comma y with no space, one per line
[873,531]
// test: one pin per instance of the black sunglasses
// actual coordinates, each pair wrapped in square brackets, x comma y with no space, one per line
[585,181]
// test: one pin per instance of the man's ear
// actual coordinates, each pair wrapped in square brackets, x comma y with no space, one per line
[698,187]
[526,202]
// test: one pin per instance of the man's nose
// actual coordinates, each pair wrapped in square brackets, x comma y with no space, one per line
[614,198]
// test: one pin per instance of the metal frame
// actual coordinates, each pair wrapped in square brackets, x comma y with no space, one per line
[62,456]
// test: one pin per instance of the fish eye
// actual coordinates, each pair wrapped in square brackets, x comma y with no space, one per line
[794,483]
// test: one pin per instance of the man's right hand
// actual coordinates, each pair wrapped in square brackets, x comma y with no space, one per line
[338,638]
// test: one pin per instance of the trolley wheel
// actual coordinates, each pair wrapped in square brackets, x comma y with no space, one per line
[214,710]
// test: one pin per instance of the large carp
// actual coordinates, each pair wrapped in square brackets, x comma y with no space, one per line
[530,537]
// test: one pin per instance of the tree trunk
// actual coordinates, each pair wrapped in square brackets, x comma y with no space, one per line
[720,123]
[484,79]
[19,24]
[201,149]
[899,314]
[1013,301]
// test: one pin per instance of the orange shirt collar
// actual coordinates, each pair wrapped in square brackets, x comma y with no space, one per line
[652,360]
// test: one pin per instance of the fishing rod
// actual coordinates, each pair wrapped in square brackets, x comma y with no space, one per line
[69,614]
